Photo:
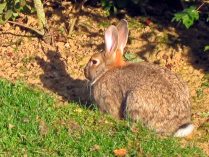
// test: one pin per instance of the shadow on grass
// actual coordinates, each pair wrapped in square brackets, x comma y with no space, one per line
[56,79]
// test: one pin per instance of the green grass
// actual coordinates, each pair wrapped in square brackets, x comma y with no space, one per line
[34,123]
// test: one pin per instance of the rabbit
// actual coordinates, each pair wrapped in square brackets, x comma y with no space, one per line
[142,91]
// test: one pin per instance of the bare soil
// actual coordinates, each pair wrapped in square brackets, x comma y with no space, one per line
[57,66]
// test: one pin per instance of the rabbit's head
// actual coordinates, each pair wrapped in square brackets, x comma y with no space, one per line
[115,41]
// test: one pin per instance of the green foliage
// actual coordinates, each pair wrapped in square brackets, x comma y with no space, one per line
[108,6]
[132,57]
[113,5]
[206,48]
[10,9]
[205,85]
[32,124]
[134,24]
[188,16]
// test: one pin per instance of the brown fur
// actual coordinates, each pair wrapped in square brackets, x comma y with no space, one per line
[144,92]
[140,91]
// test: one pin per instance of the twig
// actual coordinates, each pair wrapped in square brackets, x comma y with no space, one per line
[75,19]
[27,27]
[200,6]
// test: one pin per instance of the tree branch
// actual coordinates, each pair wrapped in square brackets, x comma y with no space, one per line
[27,27]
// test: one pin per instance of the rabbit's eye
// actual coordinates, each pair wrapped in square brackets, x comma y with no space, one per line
[94,62]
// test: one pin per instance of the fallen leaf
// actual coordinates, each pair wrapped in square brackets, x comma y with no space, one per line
[25,155]
[26,120]
[10,126]
[73,126]
[120,152]
[9,54]
[134,129]
[148,22]
[43,128]
[95,148]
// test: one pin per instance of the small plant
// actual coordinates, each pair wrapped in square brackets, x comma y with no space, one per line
[188,16]
[108,6]
[11,9]
[104,24]
[134,24]
[112,6]
[132,57]
[205,85]
[206,48]
[27,60]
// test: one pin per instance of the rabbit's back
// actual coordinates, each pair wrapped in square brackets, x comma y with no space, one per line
[146,92]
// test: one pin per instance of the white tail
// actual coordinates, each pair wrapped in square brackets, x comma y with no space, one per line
[184,131]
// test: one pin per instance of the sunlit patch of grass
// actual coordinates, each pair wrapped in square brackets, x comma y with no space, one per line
[32,123]
[132,57]
[27,60]
[204,86]
[134,24]
[104,24]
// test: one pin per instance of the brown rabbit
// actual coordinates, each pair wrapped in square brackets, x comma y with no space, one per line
[140,91]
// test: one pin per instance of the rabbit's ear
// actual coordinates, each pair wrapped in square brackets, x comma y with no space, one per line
[111,40]
[122,34]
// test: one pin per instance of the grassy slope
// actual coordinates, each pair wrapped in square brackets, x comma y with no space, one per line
[32,123]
